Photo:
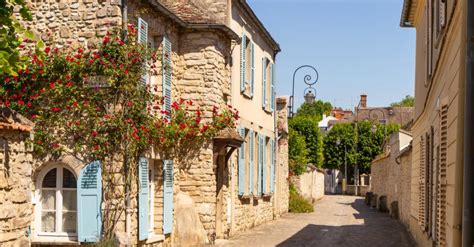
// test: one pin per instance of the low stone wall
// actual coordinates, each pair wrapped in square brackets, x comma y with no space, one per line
[310,184]
[391,174]
[15,182]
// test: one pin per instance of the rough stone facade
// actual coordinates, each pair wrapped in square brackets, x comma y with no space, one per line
[201,71]
[74,22]
[282,171]
[390,177]
[16,209]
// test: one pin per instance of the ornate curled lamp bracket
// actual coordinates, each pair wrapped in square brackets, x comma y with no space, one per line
[308,79]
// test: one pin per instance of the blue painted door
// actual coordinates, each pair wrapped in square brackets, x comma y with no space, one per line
[89,191]
[168,196]
[143,194]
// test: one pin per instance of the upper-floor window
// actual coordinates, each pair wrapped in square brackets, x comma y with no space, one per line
[268,85]
[247,67]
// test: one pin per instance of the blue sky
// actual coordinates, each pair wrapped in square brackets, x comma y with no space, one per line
[357,47]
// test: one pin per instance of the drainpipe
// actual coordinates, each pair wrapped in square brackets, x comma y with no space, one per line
[128,218]
[468,185]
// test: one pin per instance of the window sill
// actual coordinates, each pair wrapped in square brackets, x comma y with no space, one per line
[154,238]
[267,110]
[51,240]
[245,197]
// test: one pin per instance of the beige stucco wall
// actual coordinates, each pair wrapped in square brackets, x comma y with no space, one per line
[310,184]
[253,116]
[446,88]
[16,209]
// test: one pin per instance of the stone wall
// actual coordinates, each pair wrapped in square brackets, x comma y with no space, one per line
[392,179]
[16,209]
[73,22]
[282,170]
[310,184]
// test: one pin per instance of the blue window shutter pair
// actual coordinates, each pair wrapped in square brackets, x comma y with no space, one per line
[143,39]
[259,169]
[272,91]
[264,82]
[252,68]
[167,196]
[251,144]
[167,69]
[89,214]
[242,164]
[243,62]
[272,168]
[143,195]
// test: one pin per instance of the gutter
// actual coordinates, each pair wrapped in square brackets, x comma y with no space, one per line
[404,20]
[403,152]
[468,166]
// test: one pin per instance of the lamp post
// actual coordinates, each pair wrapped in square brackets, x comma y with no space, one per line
[310,92]
[344,180]
[383,121]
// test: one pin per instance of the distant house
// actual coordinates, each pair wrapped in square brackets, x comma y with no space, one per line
[385,115]
[326,123]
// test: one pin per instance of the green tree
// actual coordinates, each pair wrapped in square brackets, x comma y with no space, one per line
[361,148]
[408,101]
[318,108]
[12,35]
[297,152]
[340,144]
[307,126]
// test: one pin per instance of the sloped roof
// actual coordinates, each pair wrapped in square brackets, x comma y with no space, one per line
[408,13]
[10,120]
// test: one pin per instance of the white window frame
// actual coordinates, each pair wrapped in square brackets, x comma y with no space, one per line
[38,235]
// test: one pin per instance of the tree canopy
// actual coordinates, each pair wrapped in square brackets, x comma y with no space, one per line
[307,126]
[408,101]
[318,108]
[363,141]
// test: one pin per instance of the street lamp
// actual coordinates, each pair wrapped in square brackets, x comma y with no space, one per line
[383,121]
[308,80]
[344,180]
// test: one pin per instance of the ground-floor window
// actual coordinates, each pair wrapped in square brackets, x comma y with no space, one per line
[57,202]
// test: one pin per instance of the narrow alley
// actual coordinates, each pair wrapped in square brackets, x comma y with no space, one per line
[336,221]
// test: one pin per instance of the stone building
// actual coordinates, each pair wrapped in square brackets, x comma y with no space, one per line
[439,129]
[16,165]
[188,201]
[398,115]
[391,176]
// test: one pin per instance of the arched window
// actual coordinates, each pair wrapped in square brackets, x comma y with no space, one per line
[58,195]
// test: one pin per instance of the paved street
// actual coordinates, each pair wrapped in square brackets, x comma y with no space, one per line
[337,221]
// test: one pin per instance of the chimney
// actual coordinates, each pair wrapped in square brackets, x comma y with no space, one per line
[363,101]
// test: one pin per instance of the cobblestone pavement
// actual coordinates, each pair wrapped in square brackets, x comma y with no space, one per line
[337,221]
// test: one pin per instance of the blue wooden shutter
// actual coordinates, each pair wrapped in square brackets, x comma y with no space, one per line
[252,69]
[264,166]
[143,39]
[89,199]
[272,168]
[264,82]
[242,164]
[143,195]
[259,168]
[252,152]
[167,69]
[167,196]
[243,45]
[272,91]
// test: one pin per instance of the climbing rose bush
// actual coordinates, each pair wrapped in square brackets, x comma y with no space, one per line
[92,102]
